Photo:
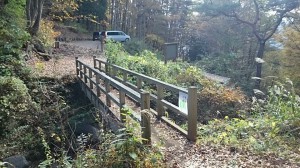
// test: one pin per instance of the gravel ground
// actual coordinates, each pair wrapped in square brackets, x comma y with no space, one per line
[178,152]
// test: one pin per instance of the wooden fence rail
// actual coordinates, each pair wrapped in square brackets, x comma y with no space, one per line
[121,75]
[92,78]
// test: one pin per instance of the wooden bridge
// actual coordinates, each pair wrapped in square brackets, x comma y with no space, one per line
[105,83]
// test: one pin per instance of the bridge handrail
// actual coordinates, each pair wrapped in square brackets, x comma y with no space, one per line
[191,115]
[150,80]
[92,76]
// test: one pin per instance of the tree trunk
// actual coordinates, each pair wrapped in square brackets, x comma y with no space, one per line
[34,9]
[28,12]
[125,16]
[36,25]
[260,54]
[112,14]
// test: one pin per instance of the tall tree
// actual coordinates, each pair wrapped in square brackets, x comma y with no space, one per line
[34,9]
[262,16]
[94,12]
[290,67]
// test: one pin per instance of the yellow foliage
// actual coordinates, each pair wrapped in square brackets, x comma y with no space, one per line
[39,66]
[191,76]
[290,60]
[217,100]
[46,33]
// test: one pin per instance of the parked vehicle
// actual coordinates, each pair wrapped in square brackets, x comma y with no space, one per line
[115,36]
[96,35]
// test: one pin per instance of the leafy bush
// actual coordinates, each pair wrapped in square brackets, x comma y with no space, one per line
[135,46]
[282,106]
[219,63]
[12,38]
[190,76]
[272,127]
[20,139]
[218,101]
[14,101]
[125,149]
[230,65]
[155,41]
[46,33]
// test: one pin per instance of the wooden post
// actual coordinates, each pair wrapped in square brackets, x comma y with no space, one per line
[76,63]
[160,95]
[84,73]
[90,78]
[192,113]
[107,90]
[102,43]
[100,66]
[97,85]
[56,44]
[113,73]
[122,103]
[139,83]
[146,126]
[80,69]
[124,77]
[106,68]
[145,98]
[94,60]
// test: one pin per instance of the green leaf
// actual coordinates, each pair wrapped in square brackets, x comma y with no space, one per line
[133,155]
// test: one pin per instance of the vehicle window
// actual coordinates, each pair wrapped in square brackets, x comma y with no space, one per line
[112,33]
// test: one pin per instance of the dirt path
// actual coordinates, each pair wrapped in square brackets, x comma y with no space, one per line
[95,45]
[178,152]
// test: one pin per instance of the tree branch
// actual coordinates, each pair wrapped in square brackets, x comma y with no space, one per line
[278,22]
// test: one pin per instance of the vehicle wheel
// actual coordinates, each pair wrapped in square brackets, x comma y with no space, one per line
[126,40]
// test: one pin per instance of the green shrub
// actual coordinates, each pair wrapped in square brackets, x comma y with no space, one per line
[190,76]
[230,65]
[14,101]
[217,101]
[125,149]
[12,37]
[282,106]
[219,63]
[135,47]
[46,33]
[21,139]
[155,41]
[272,127]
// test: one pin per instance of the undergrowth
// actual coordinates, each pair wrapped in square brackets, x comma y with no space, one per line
[123,149]
[271,127]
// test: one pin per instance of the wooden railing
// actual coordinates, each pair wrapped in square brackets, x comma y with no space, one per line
[121,75]
[97,83]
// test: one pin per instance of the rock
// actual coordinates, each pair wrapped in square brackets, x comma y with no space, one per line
[39,46]
[88,130]
[18,161]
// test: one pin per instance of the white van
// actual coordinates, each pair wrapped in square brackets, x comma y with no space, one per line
[116,36]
